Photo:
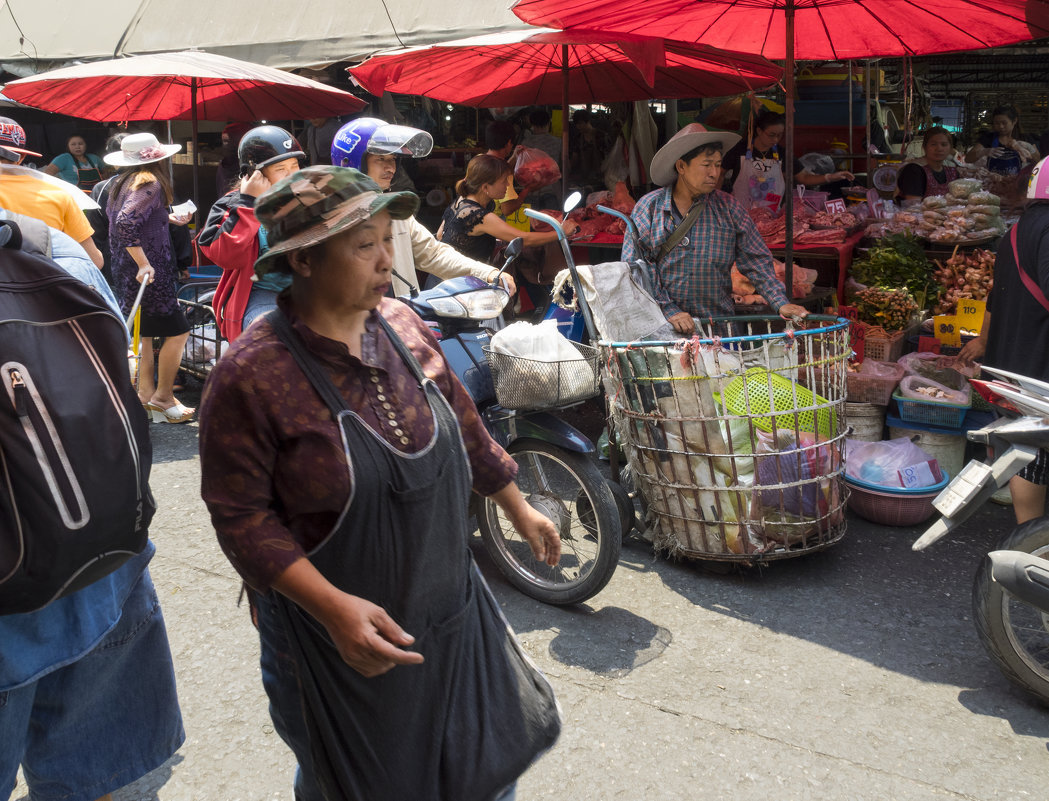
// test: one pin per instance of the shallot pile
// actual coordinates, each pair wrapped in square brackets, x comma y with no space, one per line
[964,275]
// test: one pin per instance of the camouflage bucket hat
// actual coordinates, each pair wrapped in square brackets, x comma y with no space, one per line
[318,202]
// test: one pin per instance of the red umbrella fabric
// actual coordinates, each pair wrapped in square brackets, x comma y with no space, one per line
[166,86]
[823,29]
[521,68]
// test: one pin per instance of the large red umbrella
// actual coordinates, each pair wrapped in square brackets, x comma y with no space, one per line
[180,86]
[807,29]
[523,68]
[823,29]
[189,85]
[547,67]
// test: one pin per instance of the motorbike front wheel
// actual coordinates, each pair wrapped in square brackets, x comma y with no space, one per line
[1015,634]
[569,490]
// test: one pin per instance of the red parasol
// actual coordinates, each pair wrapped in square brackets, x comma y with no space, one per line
[180,86]
[189,85]
[823,29]
[522,68]
[807,29]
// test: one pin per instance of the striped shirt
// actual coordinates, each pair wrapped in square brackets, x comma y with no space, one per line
[695,276]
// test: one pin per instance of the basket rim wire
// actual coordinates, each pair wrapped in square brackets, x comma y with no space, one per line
[637,382]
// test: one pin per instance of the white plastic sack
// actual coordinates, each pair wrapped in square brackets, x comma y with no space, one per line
[542,345]
[622,310]
[880,462]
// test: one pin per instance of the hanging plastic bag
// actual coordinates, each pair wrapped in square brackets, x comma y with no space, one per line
[535,168]
[881,462]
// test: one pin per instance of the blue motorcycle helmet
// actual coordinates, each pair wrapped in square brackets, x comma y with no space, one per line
[366,135]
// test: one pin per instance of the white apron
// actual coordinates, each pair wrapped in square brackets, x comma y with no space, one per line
[759,182]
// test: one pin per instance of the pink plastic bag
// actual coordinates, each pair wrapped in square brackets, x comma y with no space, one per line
[535,168]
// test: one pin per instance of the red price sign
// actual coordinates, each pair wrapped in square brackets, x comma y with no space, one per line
[836,206]
[858,337]
[849,313]
[928,345]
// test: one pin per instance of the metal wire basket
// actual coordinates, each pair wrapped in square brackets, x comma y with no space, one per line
[529,385]
[734,458]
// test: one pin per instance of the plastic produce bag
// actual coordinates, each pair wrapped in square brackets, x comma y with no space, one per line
[947,370]
[880,462]
[918,387]
[817,163]
[535,168]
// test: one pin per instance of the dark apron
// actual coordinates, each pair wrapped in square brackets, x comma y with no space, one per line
[466,723]
[88,176]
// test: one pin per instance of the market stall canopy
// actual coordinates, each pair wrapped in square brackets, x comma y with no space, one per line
[180,86]
[308,33]
[823,29]
[522,68]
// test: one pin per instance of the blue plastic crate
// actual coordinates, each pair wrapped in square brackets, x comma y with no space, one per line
[948,415]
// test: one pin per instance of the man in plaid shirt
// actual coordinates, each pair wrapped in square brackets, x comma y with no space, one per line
[693,279]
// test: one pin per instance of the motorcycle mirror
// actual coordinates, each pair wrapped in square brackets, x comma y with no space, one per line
[514,249]
[572,201]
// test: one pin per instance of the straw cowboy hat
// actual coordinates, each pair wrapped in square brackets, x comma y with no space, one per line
[318,202]
[138,149]
[691,136]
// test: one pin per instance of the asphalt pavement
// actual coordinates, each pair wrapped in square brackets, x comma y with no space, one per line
[852,673]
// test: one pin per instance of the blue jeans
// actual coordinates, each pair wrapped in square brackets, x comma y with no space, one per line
[260,301]
[101,722]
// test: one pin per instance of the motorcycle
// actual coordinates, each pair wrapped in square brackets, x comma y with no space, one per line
[557,469]
[1011,586]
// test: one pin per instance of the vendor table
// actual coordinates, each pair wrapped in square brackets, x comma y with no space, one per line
[840,253]
[599,250]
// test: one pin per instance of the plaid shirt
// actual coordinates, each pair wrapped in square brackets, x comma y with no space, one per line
[695,276]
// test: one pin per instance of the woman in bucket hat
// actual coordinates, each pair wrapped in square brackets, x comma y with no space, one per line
[691,275]
[389,670]
[140,248]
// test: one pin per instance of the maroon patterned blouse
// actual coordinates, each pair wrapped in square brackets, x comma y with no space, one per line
[274,472]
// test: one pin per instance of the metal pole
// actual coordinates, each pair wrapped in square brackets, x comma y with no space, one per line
[171,162]
[867,96]
[196,150]
[788,158]
[564,122]
[851,123]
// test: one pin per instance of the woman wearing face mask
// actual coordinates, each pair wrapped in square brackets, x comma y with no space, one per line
[1004,145]
[232,237]
[373,147]
[930,174]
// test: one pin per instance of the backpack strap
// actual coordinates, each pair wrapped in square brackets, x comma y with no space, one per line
[1028,282]
[682,228]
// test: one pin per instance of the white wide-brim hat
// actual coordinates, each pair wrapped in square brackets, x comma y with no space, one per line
[693,135]
[140,148]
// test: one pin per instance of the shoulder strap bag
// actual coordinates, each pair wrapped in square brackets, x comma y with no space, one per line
[1028,282]
[682,228]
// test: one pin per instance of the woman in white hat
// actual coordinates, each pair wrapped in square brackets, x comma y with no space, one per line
[141,251]
[691,234]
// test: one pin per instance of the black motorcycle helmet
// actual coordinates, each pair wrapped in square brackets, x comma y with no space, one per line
[265,145]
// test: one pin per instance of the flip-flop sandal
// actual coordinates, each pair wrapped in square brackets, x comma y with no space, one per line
[173,414]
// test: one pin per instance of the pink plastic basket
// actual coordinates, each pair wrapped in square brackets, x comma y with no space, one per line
[891,508]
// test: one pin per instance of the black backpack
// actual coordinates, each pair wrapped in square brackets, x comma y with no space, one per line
[75,453]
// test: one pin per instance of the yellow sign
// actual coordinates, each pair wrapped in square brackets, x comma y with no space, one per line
[947,330]
[519,220]
[970,314]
